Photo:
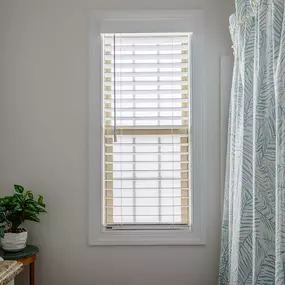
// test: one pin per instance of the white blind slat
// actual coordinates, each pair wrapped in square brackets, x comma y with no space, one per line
[122,49]
[141,74]
[137,101]
[147,109]
[125,84]
[171,40]
[121,93]
[121,65]
[168,56]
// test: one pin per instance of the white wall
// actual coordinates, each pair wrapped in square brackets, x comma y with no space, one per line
[43,139]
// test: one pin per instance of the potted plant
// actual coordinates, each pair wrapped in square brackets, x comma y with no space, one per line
[14,210]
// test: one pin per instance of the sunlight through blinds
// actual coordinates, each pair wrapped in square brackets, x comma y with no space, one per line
[146,129]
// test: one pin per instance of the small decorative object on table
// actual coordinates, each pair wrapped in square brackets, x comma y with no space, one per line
[27,257]
[14,210]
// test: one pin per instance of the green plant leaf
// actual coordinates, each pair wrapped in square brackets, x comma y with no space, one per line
[30,194]
[19,197]
[42,205]
[19,189]
[31,201]
[40,199]
[28,213]
[32,208]
[33,218]
[7,200]
[41,210]
[2,231]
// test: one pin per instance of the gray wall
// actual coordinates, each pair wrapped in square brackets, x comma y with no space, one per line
[43,139]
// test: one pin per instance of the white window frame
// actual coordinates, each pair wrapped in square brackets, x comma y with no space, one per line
[145,21]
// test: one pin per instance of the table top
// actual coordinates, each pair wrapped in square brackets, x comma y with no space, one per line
[30,250]
[8,270]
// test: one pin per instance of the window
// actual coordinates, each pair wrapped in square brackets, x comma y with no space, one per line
[146,130]
[146,166]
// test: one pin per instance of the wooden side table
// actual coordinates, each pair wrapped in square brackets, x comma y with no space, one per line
[27,256]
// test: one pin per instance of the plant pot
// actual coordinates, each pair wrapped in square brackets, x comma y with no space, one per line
[14,241]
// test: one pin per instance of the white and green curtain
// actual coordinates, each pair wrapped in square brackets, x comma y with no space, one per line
[253,233]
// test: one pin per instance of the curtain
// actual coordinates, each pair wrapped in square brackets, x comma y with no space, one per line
[253,231]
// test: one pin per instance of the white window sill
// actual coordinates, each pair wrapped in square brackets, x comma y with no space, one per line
[146,237]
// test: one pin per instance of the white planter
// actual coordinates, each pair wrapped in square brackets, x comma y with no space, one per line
[14,241]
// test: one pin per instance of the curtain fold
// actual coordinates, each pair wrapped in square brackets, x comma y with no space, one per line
[253,232]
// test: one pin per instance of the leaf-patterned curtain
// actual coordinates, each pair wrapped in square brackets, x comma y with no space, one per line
[253,233]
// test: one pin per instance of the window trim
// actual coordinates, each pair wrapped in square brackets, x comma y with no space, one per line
[144,21]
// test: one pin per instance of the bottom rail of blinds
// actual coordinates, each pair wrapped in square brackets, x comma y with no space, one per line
[150,226]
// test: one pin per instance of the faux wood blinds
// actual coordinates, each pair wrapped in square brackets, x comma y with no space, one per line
[146,129]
